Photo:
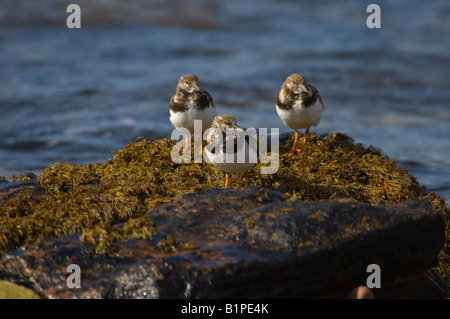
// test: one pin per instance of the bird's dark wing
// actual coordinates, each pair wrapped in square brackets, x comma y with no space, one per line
[202,100]
[316,93]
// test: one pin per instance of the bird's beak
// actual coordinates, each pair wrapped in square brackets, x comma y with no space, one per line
[300,90]
[303,90]
[194,88]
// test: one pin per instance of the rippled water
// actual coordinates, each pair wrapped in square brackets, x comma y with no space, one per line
[73,95]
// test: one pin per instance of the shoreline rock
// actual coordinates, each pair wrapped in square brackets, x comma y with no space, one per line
[243,243]
[141,226]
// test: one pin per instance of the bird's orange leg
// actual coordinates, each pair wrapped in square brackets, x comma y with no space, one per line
[246,179]
[227,179]
[294,147]
[306,136]
[187,140]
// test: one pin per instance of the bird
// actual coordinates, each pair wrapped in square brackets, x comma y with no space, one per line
[299,105]
[190,103]
[224,131]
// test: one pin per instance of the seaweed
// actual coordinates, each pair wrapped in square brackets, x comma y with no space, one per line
[93,199]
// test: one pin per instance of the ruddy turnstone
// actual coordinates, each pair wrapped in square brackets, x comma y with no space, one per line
[240,157]
[299,105]
[190,103]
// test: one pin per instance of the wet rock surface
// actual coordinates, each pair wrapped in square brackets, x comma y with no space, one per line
[9,189]
[242,243]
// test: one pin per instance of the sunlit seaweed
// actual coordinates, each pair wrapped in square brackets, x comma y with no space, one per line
[92,199]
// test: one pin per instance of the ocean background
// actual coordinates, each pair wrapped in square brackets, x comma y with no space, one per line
[74,95]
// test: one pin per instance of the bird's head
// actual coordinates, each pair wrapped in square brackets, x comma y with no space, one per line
[224,121]
[188,83]
[297,84]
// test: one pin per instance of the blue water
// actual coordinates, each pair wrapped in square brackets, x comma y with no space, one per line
[73,95]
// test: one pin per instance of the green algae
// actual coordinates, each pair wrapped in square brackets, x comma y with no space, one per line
[8,290]
[334,168]
[104,236]
[26,177]
[92,199]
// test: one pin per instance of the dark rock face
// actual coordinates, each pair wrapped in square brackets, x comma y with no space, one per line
[11,188]
[242,243]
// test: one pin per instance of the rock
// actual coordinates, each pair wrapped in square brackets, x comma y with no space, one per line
[308,230]
[242,243]
[9,189]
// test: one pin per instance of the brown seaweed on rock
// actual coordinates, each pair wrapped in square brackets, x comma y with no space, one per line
[92,199]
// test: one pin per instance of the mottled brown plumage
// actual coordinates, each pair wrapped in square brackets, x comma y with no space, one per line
[190,103]
[188,93]
[299,105]
[218,155]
